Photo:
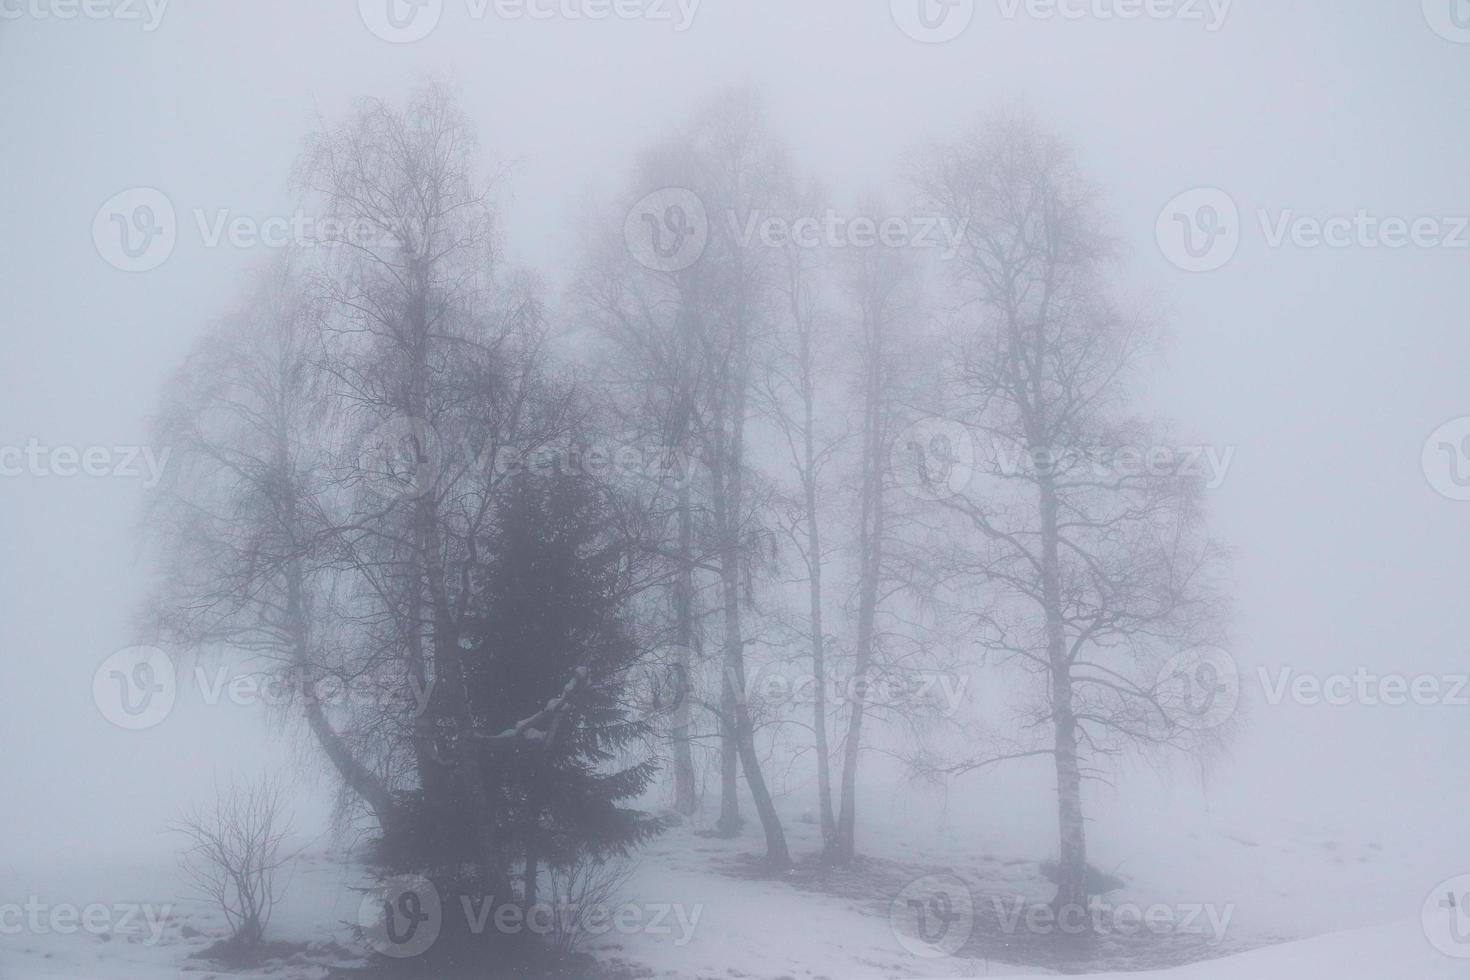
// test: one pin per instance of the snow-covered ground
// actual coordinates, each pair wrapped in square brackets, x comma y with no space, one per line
[1392,951]
[732,921]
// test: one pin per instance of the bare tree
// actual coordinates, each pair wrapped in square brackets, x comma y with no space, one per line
[794,395]
[585,884]
[234,855]
[880,285]
[237,524]
[695,333]
[437,366]
[1095,568]
[649,375]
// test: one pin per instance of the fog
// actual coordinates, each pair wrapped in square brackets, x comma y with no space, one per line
[1321,370]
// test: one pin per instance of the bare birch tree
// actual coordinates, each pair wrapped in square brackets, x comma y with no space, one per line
[238,525]
[698,327]
[879,285]
[809,431]
[437,364]
[1084,531]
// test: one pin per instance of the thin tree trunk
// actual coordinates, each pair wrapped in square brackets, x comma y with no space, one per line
[686,800]
[870,567]
[369,787]
[530,876]
[467,784]
[725,488]
[728,498]
[819,670]
[814,570]
[846,848]
[778,856]
[730,821]
[1072,863]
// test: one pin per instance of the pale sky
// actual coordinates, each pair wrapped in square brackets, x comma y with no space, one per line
[1326,369]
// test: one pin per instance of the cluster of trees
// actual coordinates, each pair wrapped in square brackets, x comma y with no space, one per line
[382,479]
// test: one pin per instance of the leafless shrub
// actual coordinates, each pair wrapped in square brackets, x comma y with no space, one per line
[588,884]
[236,855]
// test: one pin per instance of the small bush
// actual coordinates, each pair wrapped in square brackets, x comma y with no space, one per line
[234,857]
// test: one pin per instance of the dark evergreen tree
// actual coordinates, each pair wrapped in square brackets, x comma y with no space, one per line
[551,624]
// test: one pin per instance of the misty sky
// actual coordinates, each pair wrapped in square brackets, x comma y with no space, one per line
[1326,369]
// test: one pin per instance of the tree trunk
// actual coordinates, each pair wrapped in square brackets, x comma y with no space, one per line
[728,484]
[686,800]
[466,792]
[819,680]
[814,579]
[846,842]
[529,878]
[371,789]
[778,856]
[730,820]
[725,489]
[870,568]
[1072,856]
